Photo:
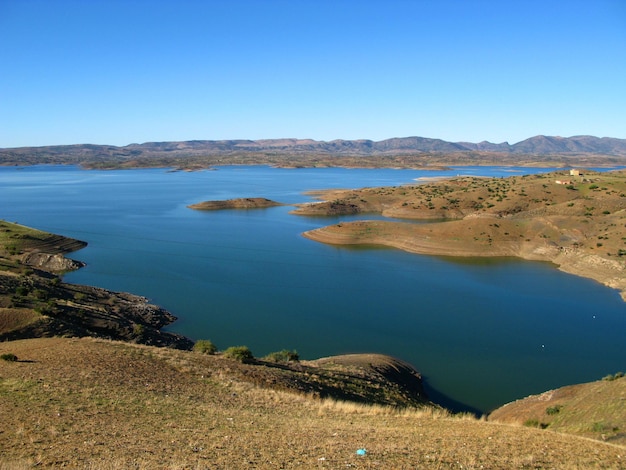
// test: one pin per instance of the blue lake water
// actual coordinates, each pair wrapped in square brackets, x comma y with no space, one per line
[483,332]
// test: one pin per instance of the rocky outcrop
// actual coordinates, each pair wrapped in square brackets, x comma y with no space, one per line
[55,263]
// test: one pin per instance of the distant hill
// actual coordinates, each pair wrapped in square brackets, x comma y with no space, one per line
[273,151]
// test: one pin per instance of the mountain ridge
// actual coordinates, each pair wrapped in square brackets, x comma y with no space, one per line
[538,144]
[401,152]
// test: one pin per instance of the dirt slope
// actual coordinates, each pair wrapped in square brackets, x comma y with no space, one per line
[87,403]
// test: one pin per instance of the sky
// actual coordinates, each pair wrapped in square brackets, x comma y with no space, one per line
[131,71]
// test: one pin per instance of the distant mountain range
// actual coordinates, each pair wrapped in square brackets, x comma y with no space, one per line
[537,145]
[542,147]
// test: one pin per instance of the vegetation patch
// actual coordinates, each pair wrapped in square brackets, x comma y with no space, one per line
[205,346]
[284,355]
[239,353]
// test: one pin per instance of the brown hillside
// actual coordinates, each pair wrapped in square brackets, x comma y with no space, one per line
[86,403]
[596,410]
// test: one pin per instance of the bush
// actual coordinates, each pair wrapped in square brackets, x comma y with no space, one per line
[534,423]
[553,410]
[204,346]
[22,291]
[610,377]
[9,357]
[239,353]
[283,356]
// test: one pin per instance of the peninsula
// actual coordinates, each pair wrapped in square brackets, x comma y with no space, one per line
[573,219]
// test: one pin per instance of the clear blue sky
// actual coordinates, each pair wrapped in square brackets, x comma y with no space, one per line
[118,72]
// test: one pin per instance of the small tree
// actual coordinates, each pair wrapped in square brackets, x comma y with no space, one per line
[204,346]
[239,353]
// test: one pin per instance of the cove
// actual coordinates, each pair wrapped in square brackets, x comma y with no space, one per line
[483,332]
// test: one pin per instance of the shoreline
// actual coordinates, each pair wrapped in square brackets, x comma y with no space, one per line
[421,241]
[577,225]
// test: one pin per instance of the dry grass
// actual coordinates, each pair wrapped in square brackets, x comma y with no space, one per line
[15,318]
[104,405]
[596,410]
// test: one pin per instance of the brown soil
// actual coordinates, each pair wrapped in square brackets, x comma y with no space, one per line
[579,226]
[87,403]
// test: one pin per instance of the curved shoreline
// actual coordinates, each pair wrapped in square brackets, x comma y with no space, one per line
[577,226]
[421,240]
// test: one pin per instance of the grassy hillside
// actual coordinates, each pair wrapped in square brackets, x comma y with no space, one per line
[596,410]
[98,404]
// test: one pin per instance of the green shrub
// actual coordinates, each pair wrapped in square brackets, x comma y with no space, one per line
[204,346]
[615,376]
[40,294]
[239,353]
[534,423]
[22,291]
[9,357]
[553,410]
[283,356]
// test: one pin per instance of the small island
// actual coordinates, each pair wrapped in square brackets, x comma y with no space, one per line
[239,203]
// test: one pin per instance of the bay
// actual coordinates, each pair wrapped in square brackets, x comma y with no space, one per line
[483,332]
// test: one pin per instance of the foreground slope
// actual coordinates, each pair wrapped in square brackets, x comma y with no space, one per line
[100,404]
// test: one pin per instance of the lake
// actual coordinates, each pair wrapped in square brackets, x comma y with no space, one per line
[482,332]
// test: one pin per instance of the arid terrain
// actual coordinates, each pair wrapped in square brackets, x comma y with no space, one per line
[577,222]
[88,403]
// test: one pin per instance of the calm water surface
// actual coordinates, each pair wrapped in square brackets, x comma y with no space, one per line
[483,332]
